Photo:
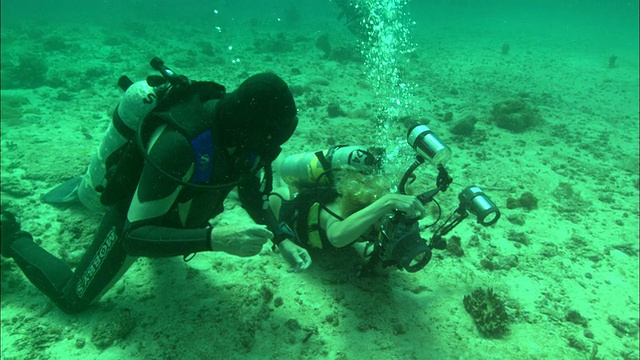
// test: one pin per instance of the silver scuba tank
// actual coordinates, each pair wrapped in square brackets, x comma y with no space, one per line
[303,170]
[137,102]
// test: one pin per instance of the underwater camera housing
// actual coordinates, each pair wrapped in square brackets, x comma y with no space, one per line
[399,242]
[401,245]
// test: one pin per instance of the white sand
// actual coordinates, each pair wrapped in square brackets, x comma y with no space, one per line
[583,251]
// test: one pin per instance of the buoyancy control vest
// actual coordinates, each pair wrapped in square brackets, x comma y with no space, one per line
[116,167]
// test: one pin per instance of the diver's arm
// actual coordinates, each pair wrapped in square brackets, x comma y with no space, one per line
[156,241]
[253,201]
[154,200]
[347,231]
[284,237]
[155,197]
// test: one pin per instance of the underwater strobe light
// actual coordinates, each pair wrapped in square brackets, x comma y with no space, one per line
[428,145]
[474,200]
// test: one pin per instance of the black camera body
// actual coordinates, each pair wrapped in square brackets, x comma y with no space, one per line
[400,244]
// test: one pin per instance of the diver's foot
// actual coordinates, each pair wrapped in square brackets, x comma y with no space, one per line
[65,193]
[10,229]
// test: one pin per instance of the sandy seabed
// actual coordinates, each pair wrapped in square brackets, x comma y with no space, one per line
[576,253]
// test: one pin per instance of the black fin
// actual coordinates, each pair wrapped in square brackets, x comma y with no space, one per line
[65,193]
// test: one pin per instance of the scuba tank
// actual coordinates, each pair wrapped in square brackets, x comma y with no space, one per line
[117,165]
[138,101]
[307,169]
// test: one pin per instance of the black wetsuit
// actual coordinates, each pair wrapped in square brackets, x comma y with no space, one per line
[163,219]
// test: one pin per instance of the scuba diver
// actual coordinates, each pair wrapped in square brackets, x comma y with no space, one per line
[174,151]
[343,205]
[340,197]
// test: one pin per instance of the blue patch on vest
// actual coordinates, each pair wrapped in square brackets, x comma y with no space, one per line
[203,148]
[251,160]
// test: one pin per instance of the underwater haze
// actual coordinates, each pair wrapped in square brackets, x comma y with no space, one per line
[537,100]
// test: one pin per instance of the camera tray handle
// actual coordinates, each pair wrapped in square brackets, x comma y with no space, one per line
[428,196]
[454,220]
[443,180]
